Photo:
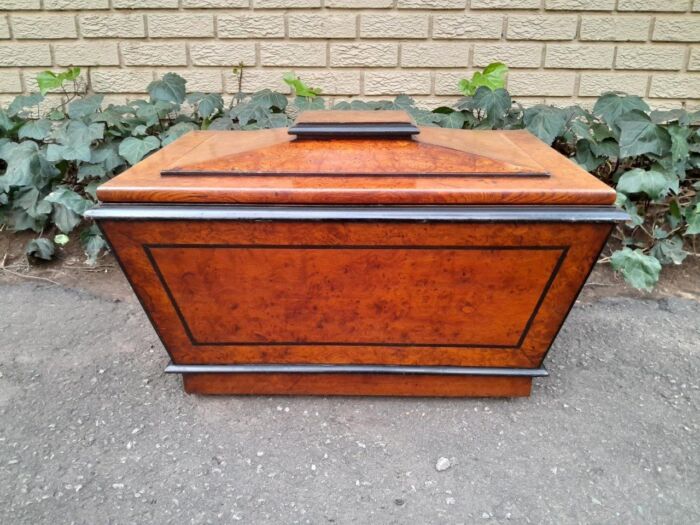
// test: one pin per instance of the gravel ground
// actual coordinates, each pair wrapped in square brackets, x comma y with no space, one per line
[92,431]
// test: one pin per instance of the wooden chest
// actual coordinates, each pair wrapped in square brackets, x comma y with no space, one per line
[356,254]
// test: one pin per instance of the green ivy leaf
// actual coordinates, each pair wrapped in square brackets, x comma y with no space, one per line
[652,183]
[175,132]
[48,80]
[23,101]
[61,239]
[74,139]
[669,250]
[545,122]
[299,88]
[493,77]
[26,165]
[454,120]
[306,104]
[93,243]
[32,202]
[208,105]
[68,208]
[91,171]
[639,135]
[630,207]
[85,106]
[170,88]
[692,216]
[610,106]
[639,270]
[35,129]
[133,149]
[41,248]
[495,103]
[107,155]
[585,156]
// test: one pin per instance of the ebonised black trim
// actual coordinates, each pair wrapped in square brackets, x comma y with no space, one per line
[447,213]
[148,249]
[356,369]
[386,130]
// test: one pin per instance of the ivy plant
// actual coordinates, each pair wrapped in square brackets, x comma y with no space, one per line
[53,158]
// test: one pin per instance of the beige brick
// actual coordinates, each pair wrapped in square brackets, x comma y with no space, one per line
[256,80]
[397,82]
[578,56]
[615,28]
[286,4]
[290,54]
[652,5]
[446,82]
[540,27]
[514,55]
[25,55]
[35,26]
[432,4]
[541,84]
[694,61]
[17,5]
[10,82]
[180,25]
[144,4]
[364,54]
[112,26]
[650,57]
[206,80]
[359,4]
[250,26]
[4,27]
[505,4]
[468,26]
[677,29]
[580,5]
[333,82]
[322,26]
[120,80]
[595,84]
[393,26]
[86,54]
[696,6]
[448,54]
[150,54]
[675,86]
[76,4]
[215,3]
[222,53]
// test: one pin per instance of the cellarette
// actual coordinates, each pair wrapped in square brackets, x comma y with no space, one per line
[357,254]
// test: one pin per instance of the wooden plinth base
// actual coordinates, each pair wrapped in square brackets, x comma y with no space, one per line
[340,384]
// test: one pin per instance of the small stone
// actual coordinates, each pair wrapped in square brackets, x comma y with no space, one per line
[450,501]
[442,464]
[399,502]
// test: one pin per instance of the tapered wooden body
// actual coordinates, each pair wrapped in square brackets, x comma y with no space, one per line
[380,264]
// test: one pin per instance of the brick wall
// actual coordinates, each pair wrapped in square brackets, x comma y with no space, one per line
[559,51]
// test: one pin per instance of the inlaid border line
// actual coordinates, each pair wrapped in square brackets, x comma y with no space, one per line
[194,342]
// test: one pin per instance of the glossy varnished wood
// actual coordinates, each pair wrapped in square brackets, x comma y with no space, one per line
[357,385]
[481,305]
[566,183]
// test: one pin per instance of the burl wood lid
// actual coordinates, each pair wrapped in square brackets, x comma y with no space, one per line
[357,157]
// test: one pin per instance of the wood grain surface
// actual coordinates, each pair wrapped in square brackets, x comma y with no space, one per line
[567,183]
[409,385]
[495,300]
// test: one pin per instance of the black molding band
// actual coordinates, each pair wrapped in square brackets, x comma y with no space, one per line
[356,369]
[447,213]
[340,130]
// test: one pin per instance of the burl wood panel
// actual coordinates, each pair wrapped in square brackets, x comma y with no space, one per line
[406,296]
[567,183]
[409,385]
[463,294]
